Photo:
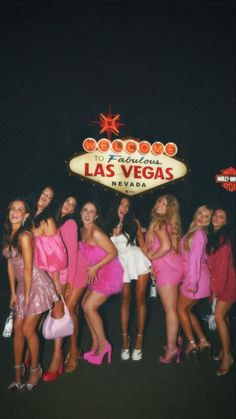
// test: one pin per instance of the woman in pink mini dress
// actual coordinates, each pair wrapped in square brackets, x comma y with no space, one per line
[196,282]
[163,242]
[223,282]
[32,291]
[73,279]
[105,277]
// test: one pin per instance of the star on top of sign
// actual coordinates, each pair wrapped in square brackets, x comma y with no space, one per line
[109,123]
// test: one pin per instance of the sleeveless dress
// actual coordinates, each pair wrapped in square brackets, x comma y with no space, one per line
[131,257]
[110,276]
[75,273]
[168,269]
[196,272]
[42,292]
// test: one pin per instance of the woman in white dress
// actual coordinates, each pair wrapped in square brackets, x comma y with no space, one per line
[127,236]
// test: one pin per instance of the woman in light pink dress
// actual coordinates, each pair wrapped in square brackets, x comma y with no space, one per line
[163,242]
[32,291]
[105,277]
[196,283]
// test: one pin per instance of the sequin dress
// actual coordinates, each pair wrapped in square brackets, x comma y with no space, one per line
[42,292]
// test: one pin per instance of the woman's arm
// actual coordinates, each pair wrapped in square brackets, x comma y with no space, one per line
[194,260]
[12,282]
[26,244]
[140,237]
[69,233]
[164,240]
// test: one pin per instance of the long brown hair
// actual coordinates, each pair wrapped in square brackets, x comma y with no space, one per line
[171,217]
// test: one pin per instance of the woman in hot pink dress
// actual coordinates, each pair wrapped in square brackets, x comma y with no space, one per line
[163,242]
[105,277]
[196,283]
[223,282]
[32,291]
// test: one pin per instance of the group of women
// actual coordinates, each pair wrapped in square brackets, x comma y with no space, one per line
[50,256]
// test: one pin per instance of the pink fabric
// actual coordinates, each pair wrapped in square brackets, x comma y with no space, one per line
[110,276]
[196,272]
[50,253]
[222,271]
[168,269]
[69,234]
[81,277]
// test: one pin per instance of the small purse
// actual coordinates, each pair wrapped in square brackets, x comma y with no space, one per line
[58,328]
[8,328]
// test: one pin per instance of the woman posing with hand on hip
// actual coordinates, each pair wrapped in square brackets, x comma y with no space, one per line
[126,234]
[105,275]
[163,242]
[32,291]
[223,282]
[196,283]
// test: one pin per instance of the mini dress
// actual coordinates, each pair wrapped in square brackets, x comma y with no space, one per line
[50,253]
[196,272]
[75,273]
[42,292]
[131,257]
[109,278]
[222,272]
[168,269]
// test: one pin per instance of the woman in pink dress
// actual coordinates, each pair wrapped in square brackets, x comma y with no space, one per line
[32,291]
[50,255]
[73,278]
[196,282]
[163,242]
[223,282]
[105,276]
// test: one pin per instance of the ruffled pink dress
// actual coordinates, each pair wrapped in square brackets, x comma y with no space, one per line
[42,292]
[196,272]
[109,279]
[50,253]
[75,273]
[168,269]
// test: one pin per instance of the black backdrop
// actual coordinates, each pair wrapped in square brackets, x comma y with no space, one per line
[167,68]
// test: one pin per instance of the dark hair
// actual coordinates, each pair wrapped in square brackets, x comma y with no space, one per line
[218,238]
[61,220]
[47,213]
[13,241]
[129,226]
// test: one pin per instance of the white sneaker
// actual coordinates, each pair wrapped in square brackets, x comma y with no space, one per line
[137,355]
[125,354]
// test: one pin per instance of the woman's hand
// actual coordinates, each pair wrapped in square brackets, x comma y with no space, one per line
[68,290]
[12,300]
[151,255]
[92,270]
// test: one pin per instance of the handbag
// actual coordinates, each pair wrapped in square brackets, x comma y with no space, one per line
[8,328]
[58,328]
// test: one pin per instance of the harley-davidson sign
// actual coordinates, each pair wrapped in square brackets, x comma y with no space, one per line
[128,166]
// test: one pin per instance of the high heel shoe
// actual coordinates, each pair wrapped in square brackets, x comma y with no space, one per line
[125,353]
[97,359]
[205,345]
[193,351]
[223,371]
[18,386]
[30,386]
[137,354]
[218,357]
[72,362]
[87,355]
[166,359]
[49,376]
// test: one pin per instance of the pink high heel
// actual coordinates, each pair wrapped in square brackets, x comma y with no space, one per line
[87,355]
[97,359]
[167,359]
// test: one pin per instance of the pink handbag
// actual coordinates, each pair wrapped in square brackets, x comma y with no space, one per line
[58,328]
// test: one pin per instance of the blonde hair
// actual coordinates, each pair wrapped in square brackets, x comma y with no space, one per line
[171,217]
[194,227]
